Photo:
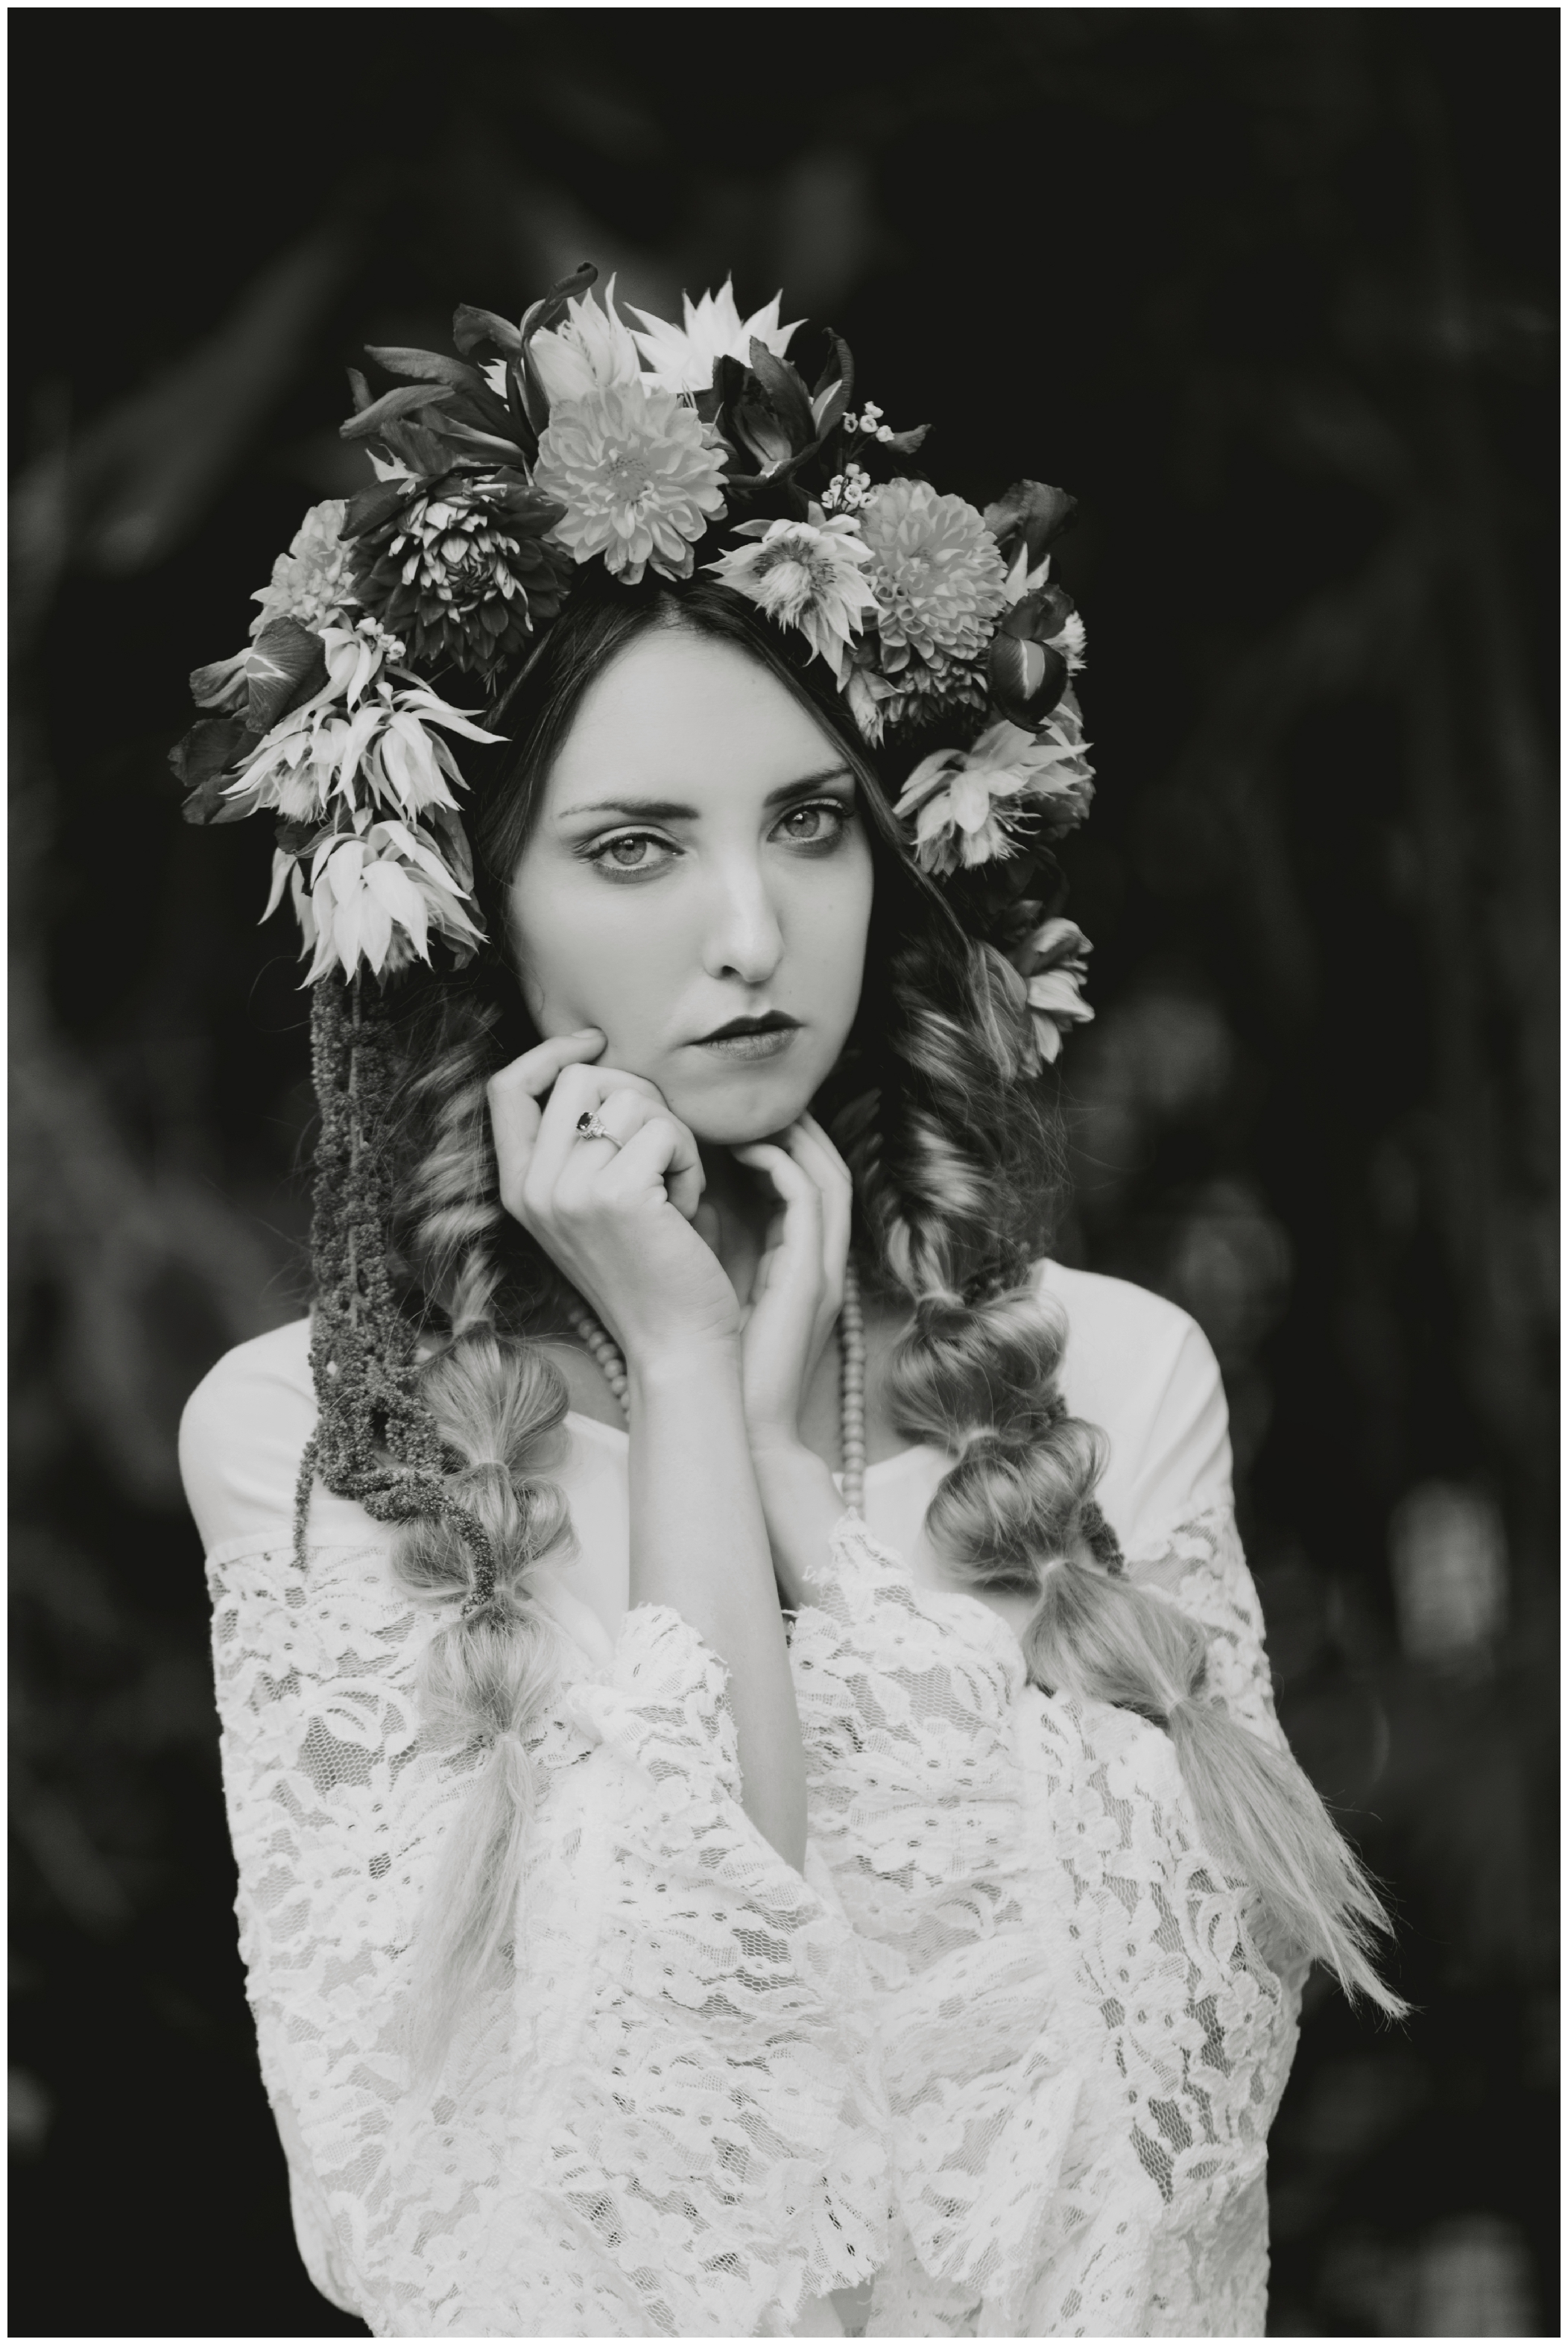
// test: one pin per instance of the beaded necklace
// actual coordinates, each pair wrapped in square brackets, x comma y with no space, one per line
[851,1380]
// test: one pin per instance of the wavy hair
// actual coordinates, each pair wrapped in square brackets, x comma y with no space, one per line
[936,1109]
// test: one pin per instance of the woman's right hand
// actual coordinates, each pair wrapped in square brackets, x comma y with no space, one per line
[614,1215]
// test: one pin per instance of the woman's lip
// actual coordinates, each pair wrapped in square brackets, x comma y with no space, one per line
[766,1042]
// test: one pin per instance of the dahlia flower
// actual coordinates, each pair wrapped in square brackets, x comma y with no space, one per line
[465,574]
[1055,966]
[682,358]
[314,581]
[363,738]
[641,477]
[590,350]
[806,574]
[375,892]
[973,806]
[940,585]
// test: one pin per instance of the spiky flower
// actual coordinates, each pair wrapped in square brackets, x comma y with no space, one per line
[1054,964]
[808,575]
[590,348]
[373,890]
[464,571]
[682,358]
[314,581]
[641,476]
[974,806]
[940,585]
[371,738]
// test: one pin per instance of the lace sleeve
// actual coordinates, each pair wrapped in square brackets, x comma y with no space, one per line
[1180,2035]
[657,2118]
[1082,2047]
[1200,1566]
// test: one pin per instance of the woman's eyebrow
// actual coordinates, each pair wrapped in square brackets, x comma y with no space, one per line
[651,809]
[671,810]
[839,772]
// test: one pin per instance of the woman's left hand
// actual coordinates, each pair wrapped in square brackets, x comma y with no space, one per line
[799,1287]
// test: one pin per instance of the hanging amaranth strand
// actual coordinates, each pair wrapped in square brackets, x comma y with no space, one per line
[374,1440]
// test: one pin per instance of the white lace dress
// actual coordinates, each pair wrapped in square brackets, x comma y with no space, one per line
[1051,2046]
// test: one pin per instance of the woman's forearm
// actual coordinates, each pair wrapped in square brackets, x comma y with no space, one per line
[700,1544]
[802,1507]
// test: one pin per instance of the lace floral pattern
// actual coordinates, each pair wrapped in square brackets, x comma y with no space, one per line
[1082,2047]
[657,2123]
[1201,1566]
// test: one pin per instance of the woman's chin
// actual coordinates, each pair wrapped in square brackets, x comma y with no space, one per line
[742,1107]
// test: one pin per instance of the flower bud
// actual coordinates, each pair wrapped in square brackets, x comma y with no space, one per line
[1026,679]
[1032,511]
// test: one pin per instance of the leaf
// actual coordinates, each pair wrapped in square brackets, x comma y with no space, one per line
[729,382]
[839,356]
[286,666]
[410,399]
[372,508]
[425,366]
[786,394]
[206,753]
[507,450]
[477,329]
[420,450]
[359,391]
[904,444]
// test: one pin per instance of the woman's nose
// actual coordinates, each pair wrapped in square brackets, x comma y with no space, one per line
[744,939]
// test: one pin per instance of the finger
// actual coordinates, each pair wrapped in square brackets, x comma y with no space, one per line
[624,1113]
[801,1233]
[705,1221]
[513,1095]
[580,1091]
[816,1153]
[809,1125]
[653,1157]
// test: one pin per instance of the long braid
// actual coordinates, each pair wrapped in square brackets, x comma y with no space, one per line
[496,1400]
[444,1447]
[949,1161]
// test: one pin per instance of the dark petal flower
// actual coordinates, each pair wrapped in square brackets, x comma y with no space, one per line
[1033,512]
[1040,617]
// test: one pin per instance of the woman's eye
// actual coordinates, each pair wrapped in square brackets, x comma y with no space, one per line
[634,850]
[820,824]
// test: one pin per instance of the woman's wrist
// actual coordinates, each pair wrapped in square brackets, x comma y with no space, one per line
[673,1362]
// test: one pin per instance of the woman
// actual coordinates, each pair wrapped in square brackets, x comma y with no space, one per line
[559,2038]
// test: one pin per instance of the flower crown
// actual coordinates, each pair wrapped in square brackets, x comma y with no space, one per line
[572,439]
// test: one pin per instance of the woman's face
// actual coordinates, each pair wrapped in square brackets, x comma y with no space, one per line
[698,884]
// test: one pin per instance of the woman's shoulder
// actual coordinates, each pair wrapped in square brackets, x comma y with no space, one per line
[1142,1369]
[1109,1314]
[243,1433]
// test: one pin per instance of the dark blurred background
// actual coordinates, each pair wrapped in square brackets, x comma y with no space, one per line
[1273,293]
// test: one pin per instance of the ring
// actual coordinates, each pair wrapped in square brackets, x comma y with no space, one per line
[589,1128]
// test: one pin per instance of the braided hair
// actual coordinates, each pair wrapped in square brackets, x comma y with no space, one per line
[955,1162]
